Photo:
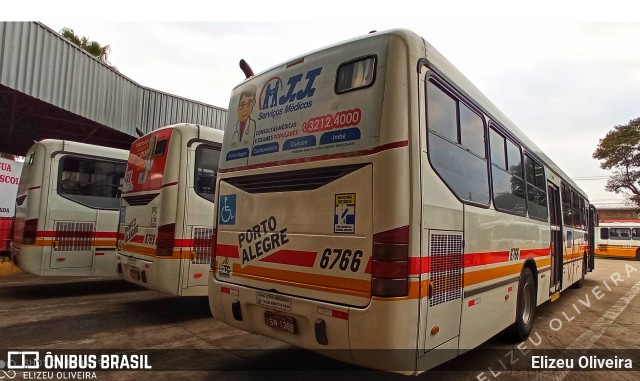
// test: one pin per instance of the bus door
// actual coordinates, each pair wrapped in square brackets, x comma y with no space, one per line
[555,219]
[202,169]
[442,243]
[593,217]
[72,223]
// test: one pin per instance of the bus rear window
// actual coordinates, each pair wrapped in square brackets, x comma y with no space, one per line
[161,147]
[25,176]
[356,75]
[207,159]
[91,182]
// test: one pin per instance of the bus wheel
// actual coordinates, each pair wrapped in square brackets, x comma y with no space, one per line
[638,254]
[580,281]
[526,306]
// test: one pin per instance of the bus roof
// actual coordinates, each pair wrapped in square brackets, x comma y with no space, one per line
[206,132]
[57,146]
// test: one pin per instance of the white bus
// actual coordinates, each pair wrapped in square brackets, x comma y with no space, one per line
[370,197]
[67,209]
[166,215]
[618,238]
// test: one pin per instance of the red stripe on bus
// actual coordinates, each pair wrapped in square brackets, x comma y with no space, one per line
[367,269]
[423,264]
[486,258]
[292,257]
[365,152]
[417,266]
[169,184]
[229,251]
[532,253]
[183,242]
[36,187]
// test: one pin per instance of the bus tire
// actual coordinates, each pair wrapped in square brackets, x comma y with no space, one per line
[525,307]
[638,254]
[580,281]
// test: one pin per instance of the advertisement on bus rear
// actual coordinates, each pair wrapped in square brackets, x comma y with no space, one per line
[9,180]
[319,106]
[147,159]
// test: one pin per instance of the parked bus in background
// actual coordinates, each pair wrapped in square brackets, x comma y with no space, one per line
[370,197]
[67,209]
[166,214]
[618,238]
[9,180]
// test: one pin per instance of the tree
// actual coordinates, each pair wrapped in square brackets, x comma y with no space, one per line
[7,156]
[94,48]
[620,152]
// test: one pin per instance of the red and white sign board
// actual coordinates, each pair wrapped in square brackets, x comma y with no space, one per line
[9,179]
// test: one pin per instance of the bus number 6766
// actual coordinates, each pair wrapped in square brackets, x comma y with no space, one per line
[344,258]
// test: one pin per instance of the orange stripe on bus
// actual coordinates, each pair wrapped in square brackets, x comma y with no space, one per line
[355,287]
[543,262]
[479,276]
[151,252]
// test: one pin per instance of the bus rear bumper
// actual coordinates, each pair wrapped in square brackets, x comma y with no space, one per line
[315,325]
[318,326]
[149,272]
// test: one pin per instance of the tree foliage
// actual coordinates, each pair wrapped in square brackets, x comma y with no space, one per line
[619,151]
[94,48]
[7,156]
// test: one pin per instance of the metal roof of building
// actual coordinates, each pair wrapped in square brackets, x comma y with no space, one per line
[39,69]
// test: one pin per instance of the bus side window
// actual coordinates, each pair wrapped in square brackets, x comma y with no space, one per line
[506,170]
[567,215]
[620,233]
[536,191]
[206,170]
[457,145]
[604,233]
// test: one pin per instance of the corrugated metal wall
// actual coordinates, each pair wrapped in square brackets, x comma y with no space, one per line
[162,109]
[36,61]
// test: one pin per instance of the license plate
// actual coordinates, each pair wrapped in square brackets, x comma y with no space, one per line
[280,322]
[135,274]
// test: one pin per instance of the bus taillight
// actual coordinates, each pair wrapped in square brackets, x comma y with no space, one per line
[12,231]
[29,232]
[165,240]
[390,268]
[214,240]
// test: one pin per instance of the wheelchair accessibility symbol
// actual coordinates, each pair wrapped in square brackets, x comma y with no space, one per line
[227,209]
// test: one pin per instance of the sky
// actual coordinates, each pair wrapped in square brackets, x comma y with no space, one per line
[565,74]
